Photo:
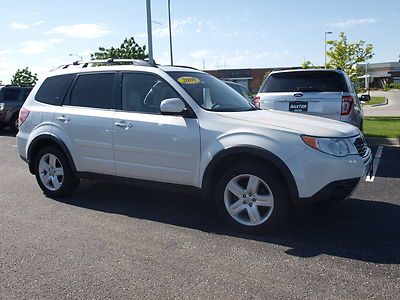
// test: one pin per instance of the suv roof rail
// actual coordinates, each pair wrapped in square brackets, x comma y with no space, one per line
[110,61]
[18,86]
[187,67]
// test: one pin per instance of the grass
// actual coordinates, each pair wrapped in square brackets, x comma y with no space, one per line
[375,100]
[382,127]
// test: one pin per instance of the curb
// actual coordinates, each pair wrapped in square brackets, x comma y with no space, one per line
[374,141]
[381,104]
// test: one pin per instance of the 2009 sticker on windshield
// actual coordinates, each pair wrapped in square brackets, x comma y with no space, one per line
[188,80]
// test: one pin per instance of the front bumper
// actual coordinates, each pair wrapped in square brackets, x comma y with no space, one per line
[333,192]
[315,173]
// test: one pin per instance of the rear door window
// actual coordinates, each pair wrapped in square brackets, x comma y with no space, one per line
[305,82]
[94,90]
[53,89]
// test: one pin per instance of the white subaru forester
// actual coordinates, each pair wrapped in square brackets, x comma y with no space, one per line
[178,127]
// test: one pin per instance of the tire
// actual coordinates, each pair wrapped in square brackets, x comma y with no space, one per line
[239,190]
[1,126]
[54,174]
[14,123]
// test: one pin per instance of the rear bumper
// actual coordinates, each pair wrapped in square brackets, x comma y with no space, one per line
[334,191]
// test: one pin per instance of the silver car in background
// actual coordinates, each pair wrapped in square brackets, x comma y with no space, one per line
[321,92]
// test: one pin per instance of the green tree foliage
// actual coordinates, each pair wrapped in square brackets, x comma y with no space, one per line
[24,77]
[345,55]
[308,65]
[129,49]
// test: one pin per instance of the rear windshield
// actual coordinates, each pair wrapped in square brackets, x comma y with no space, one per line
[305,82]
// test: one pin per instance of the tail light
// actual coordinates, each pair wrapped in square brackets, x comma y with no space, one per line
[23,114]
[257,101]
[347,104]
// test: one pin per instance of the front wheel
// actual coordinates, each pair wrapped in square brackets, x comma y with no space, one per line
[53,173]
[252,198]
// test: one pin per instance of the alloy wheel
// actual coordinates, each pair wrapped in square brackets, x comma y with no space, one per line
[51,172]
[248,200]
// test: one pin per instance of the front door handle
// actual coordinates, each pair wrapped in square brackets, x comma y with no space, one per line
[124,125]
[63,118]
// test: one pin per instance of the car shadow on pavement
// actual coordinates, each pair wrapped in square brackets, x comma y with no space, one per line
[7,132]
[355,229]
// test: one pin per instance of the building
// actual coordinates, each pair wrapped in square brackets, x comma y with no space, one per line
[380,74]
[249,78]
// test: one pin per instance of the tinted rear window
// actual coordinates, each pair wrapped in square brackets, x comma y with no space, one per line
[53,89]
[11,93]
[305,82]
[94,90]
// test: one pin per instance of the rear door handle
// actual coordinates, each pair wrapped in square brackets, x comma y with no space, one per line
[63,118]
[124,125]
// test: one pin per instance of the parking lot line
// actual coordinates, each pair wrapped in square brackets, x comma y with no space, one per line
[377,158]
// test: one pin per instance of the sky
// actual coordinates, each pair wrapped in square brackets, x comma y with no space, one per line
[217,34]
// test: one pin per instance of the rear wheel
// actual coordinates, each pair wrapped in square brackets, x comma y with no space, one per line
[1,126]
[252,198]
[53,173]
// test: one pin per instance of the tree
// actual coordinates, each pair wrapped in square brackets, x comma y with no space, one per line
[24,77]
[129,49]
[346,55]
[308,65]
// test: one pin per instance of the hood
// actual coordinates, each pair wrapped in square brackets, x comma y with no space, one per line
[304,124]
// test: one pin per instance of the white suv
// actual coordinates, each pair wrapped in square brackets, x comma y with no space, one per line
[184,128]
[320,92]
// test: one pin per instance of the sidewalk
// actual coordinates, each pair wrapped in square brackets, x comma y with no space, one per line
[392,109]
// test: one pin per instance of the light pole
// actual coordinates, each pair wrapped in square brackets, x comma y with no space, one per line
[170,34]
[326,33]
[80,56]
[366,71]
[149,32]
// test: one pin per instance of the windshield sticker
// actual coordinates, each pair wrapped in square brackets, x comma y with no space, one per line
[188,80]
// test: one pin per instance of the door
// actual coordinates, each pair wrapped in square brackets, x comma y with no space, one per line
[85,121]
[149,145]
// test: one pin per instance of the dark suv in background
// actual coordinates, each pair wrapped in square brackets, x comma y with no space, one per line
[11,100]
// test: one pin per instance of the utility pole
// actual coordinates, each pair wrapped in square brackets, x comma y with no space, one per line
[326,32]
[149,32]
[170,32]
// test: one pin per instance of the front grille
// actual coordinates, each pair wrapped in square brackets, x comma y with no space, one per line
[361,146]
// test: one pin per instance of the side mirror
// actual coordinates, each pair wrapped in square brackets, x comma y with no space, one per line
[365,98]
[172,106]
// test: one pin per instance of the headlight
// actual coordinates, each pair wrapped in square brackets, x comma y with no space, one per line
[2,106]
[333,146]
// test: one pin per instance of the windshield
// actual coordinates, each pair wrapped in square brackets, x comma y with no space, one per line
[211,93]
[318,81]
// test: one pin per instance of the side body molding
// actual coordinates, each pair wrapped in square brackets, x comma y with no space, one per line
[252,151]
[41,141]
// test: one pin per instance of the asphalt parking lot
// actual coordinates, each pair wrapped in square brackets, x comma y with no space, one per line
[116,241]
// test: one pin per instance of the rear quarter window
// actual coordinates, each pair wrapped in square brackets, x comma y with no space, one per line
[53,89]
[305,82]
